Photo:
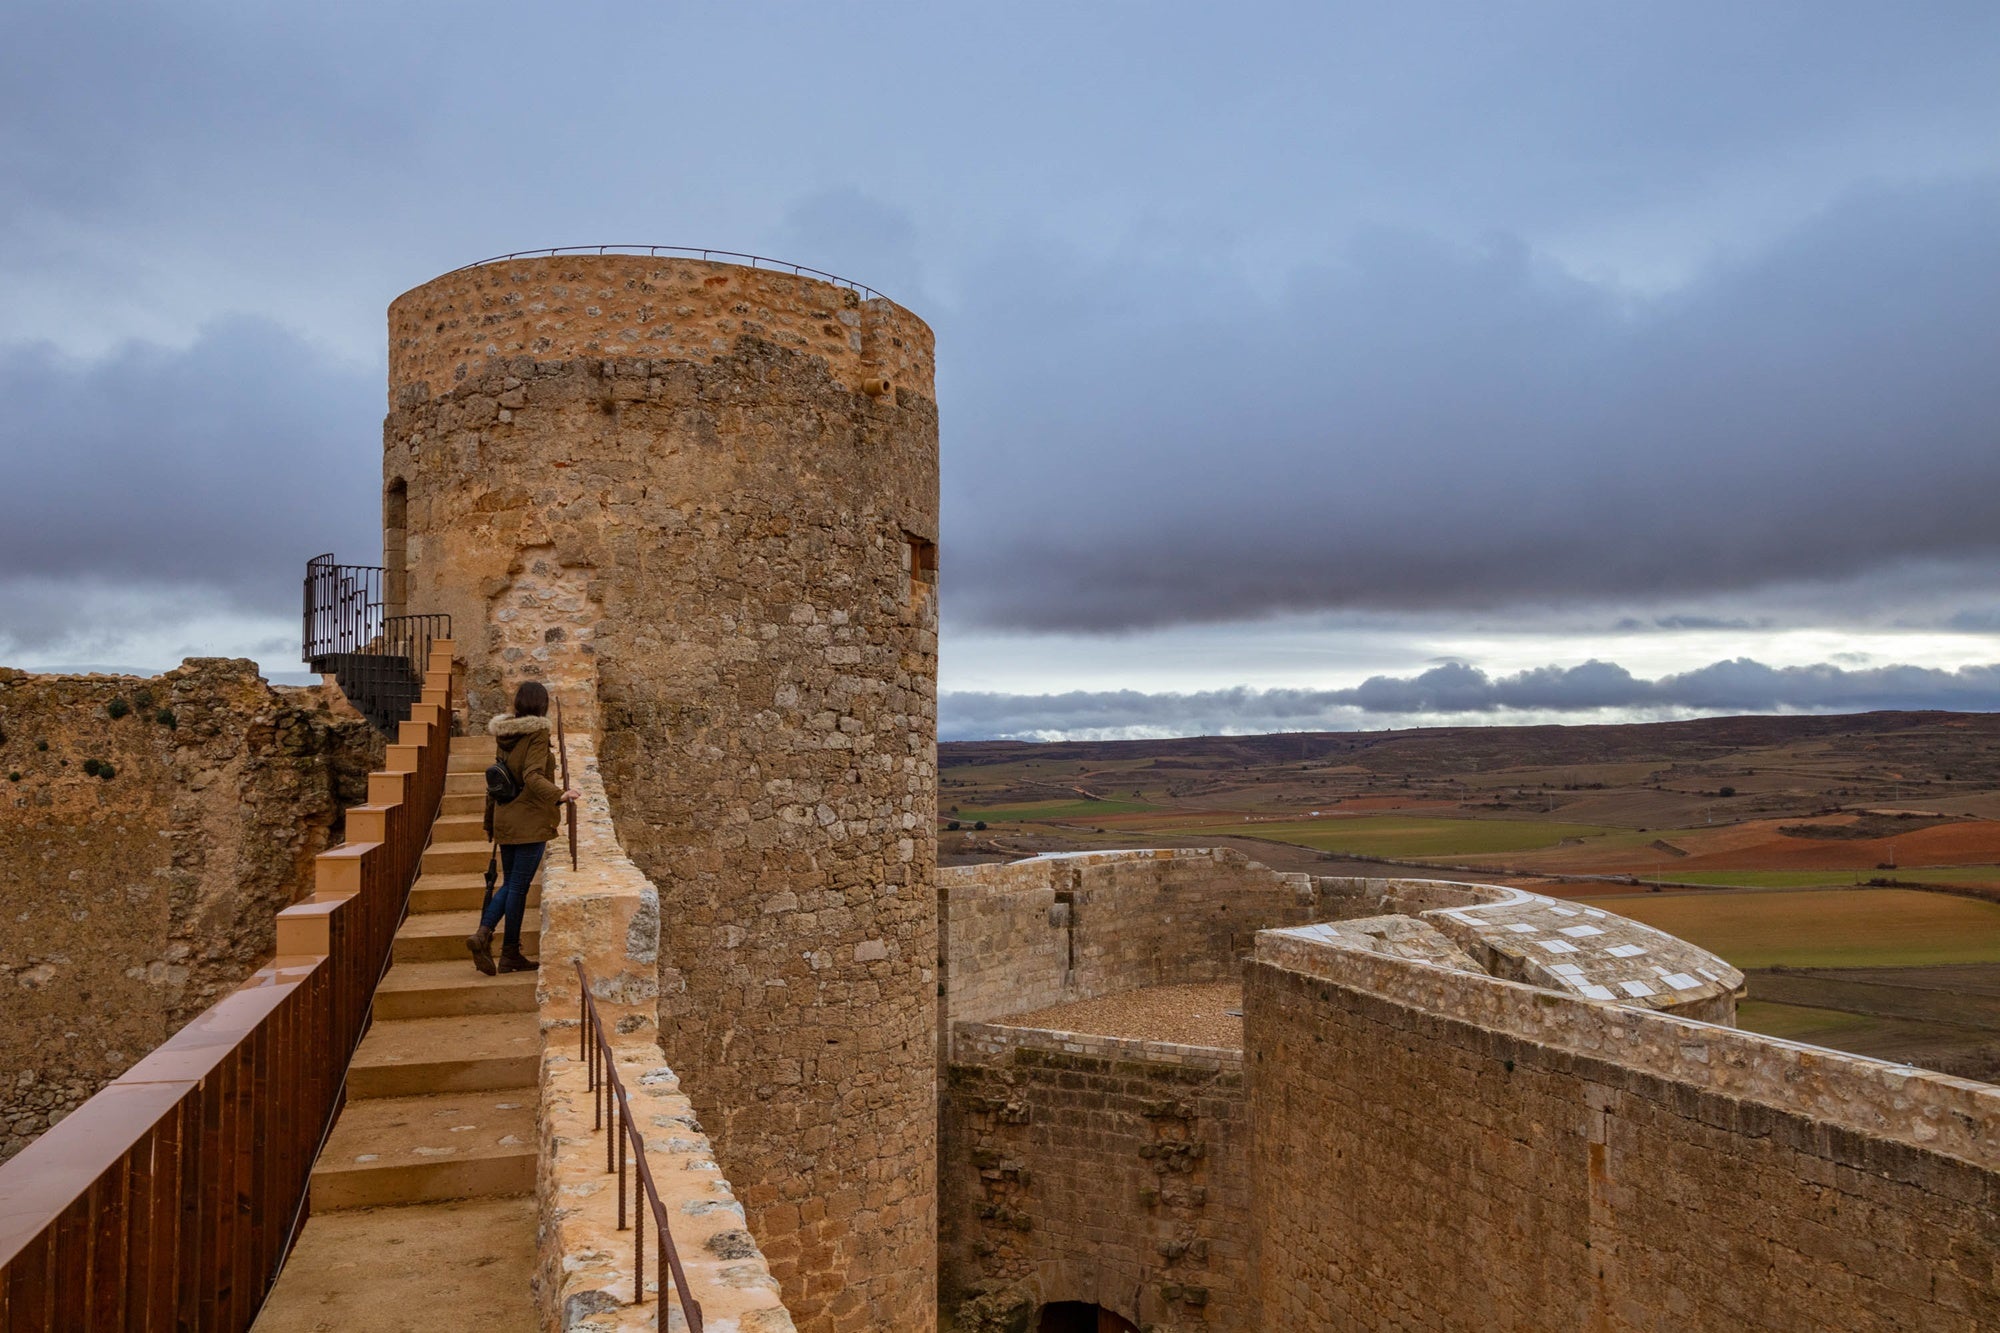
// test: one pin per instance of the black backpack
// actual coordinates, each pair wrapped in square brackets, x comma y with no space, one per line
[501,784]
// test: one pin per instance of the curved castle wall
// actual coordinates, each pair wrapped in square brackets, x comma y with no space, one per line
[700,501]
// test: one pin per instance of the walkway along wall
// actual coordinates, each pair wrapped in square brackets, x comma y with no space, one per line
[710,492]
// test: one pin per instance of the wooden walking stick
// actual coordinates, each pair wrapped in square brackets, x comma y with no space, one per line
[569,807]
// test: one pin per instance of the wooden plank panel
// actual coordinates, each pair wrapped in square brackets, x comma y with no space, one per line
[193,1208]
[253,1176]
[72,1265]
[30,1287]
[139,1194]
[109,1215]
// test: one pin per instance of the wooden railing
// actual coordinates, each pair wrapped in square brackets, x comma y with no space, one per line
[170,1199]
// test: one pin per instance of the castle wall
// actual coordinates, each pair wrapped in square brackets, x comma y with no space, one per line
[1095,1169]
[1004,942]
[1053,929]
[1443,1150]
[700,501]
[132,904]
[605,914]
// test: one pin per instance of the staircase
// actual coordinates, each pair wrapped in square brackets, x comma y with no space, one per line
[423,1210]
[379,659]
[380,685]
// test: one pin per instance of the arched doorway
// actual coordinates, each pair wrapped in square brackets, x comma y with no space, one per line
[1081,1317]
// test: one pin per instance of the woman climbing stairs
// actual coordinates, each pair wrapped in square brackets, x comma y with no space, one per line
[423,1210]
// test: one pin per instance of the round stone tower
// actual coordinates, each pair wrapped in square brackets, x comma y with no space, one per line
[700,501]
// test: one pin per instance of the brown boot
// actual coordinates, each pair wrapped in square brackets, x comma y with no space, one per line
[512,961]
[480,942]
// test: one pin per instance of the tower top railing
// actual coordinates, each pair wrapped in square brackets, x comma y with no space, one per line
[688,252]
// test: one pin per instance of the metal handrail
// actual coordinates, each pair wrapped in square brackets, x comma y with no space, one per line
[608,1097]
[411,637]
[750,261]
[343,607]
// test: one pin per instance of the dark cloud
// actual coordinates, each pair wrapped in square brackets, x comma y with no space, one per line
[1424,426]
[1456,692]
[180,477]
[1241,311]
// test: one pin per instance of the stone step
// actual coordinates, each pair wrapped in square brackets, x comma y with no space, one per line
[414,1057]
[457,893]
[392,1150]
[465,803]
[454,858]
[448,828]
[437,937]
[449,989]
[421,1266]
[460,784]
[466,758]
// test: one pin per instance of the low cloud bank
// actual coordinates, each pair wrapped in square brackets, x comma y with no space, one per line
[1455,692]
[156,483]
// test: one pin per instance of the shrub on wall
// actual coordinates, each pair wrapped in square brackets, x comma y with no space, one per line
[117,708]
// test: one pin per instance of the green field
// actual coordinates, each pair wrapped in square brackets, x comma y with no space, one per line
[1945,874]
[1794,1022]
[1826,928]
[1401,836]
[1806,879]
[1035,810]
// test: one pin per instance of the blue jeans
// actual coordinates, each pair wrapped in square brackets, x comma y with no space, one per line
[518,863]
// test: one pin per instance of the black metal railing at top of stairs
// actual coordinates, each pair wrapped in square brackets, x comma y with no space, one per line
[378,659]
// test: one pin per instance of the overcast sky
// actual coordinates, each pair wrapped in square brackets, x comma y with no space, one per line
[1299,366]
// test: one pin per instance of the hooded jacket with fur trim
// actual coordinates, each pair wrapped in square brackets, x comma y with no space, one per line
[534,815]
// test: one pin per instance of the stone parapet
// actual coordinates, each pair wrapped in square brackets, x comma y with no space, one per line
[986,1043]
[1935,1112]
[1074,926]
[1465,1152]
[606,914]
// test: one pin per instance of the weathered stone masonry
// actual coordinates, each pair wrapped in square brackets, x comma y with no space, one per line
[1086,1168]
[133,904]
[1096,1169]
[701,502]
[1457,1107]
[1442,1150]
